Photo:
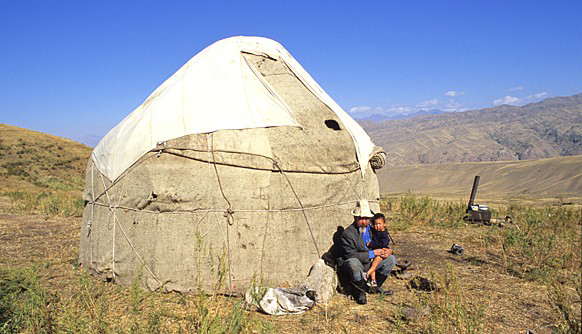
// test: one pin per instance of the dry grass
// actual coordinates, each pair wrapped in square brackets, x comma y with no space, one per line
[499,285]
[44,203]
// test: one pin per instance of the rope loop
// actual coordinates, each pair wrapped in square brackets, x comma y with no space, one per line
[228,213]
[378,160]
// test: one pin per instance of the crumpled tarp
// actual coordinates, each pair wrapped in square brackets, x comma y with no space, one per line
[280,301]
[319,287]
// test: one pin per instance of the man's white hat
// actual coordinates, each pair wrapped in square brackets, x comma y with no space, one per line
[362,209]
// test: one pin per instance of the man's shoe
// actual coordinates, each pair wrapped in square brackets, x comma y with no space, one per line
[359,292]
[360,286]
[372,286]
[361,298]
[380,279]
[383,292]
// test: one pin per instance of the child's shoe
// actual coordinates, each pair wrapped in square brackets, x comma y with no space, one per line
[372,286]
[365,276]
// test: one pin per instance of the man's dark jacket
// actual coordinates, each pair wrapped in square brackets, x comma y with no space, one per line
[351,245]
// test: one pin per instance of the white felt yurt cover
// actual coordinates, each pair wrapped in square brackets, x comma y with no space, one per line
[215,90]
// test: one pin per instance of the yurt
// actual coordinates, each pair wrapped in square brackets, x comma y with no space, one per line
[236,170]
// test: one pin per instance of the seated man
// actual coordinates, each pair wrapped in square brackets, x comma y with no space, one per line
[356,257]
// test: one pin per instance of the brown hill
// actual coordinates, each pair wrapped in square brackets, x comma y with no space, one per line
[550,128]
[555,177]
[35,161]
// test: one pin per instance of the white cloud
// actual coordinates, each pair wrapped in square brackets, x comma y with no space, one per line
[520,100]
[400,109]
[428,103]
[452,106]
[507,100]
[453,93]
[358,109]
[515,89]
[362,111]
[537,96]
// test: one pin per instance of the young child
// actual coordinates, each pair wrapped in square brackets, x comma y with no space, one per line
[379,240]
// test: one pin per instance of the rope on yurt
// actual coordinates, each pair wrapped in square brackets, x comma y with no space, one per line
[228,213]
[137,254]
[116,223]
[276,166]
[275,163]
[264,241]
[167,150]
[302,209]
[120,177]
[237,210]
[89,235]
[113,239]
[90,222]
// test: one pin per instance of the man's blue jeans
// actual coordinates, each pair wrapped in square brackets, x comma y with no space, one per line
[352,269]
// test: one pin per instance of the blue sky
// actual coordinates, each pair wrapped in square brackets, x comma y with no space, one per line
[76,68]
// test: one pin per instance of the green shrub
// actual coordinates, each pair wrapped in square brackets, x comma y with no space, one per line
[567,306]
[24,304]
[447,310]
[541,242]
[450,309]
[410,210]
[202,320]
[47,203]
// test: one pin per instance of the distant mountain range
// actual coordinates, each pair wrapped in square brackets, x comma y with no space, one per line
[550,128]
[395,116]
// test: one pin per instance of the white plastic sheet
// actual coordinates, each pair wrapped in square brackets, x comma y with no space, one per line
[279,301]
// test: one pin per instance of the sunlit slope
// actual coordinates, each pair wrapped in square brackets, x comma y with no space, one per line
[551,177]
[31,160]
[545,129]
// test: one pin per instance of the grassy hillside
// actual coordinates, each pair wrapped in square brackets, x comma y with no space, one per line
[549,128]
[554,177]
[37,161]
[40,171]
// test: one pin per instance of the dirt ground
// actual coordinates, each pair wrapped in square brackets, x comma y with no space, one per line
[510,304]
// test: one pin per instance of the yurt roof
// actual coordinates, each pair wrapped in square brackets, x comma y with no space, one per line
[215,90]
